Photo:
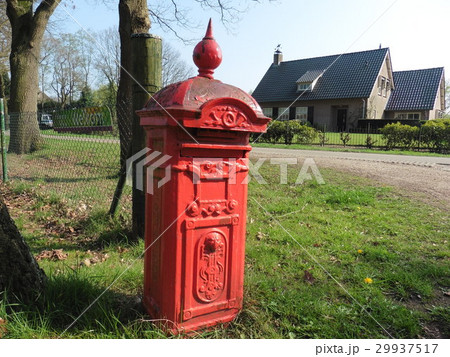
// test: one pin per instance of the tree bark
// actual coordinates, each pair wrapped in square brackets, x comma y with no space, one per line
[20,275]
[27,32]
[133,18]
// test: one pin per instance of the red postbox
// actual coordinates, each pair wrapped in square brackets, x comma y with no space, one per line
[196,200]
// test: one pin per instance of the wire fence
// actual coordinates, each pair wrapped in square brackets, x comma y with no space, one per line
[76,153]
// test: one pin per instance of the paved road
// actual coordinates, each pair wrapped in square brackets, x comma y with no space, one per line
[423,178]
[425,161]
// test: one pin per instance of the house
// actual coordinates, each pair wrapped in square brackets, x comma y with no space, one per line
[340,92]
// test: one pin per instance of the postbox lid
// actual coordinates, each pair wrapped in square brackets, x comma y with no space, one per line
[204,102]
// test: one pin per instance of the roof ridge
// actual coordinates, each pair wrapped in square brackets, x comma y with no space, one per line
[338,54]
[417,70]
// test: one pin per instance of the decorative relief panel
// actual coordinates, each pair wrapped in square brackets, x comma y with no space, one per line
[211,208]
[211,267]
[226,116]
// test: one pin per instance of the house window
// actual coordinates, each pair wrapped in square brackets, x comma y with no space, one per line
[303,86]
[382,86]
[283,113]
[408,116]
[268,112]
[413,116]
[388,87]
[301,113]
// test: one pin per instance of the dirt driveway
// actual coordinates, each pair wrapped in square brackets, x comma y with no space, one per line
[420,177]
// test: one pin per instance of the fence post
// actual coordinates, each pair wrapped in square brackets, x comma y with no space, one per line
[3,141]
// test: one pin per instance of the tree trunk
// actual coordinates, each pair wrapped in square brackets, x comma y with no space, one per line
[20,275]
[133,18]
[28,29]
[25,135]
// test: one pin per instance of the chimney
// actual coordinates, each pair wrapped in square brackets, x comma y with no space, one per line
[277,56]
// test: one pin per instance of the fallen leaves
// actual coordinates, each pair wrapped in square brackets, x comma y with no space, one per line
[308,277]
[260,235]
[3,329]
[54,255]
[94,258]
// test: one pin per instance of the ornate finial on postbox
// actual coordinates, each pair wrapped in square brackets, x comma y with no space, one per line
[207,54]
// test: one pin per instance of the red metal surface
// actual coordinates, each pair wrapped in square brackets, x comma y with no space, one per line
[195,222]
[207,54]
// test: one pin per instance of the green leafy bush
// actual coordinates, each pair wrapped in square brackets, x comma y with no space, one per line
[275,131]
[435,134]
[304,134]
[288,131]
[400,135]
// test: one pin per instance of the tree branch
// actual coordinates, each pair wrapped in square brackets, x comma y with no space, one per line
[41,17]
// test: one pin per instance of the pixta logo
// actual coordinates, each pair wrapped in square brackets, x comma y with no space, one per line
[152,161]
[214,169]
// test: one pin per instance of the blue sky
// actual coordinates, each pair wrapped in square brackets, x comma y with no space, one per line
[416,32]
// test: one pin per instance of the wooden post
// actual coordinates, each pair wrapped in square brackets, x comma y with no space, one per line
[147,80]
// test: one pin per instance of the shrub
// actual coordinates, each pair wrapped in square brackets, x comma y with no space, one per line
[305,134]
[399,135]
[275,131]
[322,138]
[288,131]
[345,138]
[370,142]
[435,134]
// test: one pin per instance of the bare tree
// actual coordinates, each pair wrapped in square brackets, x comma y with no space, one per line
[45,64]
[174,69]
[5,46]
[5,38]
[67,68]
[28,24]
[85,49]
[107,59]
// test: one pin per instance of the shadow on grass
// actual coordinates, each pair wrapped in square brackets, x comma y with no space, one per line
[37,246]
[64,180]
[78,306]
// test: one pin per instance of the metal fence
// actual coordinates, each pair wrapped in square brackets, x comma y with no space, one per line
[76,154]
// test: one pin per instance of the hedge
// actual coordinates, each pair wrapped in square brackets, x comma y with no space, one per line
[434,134]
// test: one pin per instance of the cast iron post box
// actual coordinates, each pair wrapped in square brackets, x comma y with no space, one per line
[196,196]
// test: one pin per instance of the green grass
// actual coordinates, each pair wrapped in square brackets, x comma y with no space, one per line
[79,171]
[346,230]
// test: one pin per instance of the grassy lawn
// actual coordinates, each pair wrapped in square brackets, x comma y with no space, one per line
[74,171]
[347,259]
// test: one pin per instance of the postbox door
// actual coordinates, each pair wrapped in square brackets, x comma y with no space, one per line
[214,242]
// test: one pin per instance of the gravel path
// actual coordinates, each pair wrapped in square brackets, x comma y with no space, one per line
[419,177]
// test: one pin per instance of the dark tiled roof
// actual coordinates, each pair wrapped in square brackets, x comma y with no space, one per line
[351,75]
[415,90]
[310,76]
